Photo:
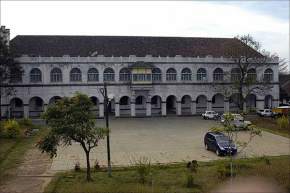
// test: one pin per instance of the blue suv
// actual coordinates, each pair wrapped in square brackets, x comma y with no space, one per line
[219,143]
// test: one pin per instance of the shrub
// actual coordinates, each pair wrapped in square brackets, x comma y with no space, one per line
[12,129]
[77,167]
[283,122]
[26,125]
[97,166]
[143,168]
[192,169]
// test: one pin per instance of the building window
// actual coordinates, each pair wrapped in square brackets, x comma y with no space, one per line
[201,74]
[125,100]
[171,74]
[15,76]
[235,74]
[186,74]
[139,100]
[218,74]
[252,75]
[125,74]
[93,75]
[56,75]
[268,75]
[156,75]
[75,75]
[35,75]
[109,74]
[142,77]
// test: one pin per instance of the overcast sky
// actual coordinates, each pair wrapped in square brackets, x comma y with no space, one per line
[266,21]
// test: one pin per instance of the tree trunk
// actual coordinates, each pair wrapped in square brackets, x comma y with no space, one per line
[89,178]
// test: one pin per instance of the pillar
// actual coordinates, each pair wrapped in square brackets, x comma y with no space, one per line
[178,108]
[226,106]
[209,106]
[260,104]
[133,110]
[163,108]
[101,110]
[117,110]
[148,109]
[26,110]
[193,107]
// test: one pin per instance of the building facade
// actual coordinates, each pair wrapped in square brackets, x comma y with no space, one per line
[145,76]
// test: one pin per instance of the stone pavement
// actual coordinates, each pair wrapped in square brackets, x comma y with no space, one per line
[162,140]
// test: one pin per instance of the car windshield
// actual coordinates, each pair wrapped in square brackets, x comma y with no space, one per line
[222,138]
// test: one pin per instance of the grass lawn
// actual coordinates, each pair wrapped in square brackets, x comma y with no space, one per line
[269,124]
[173,177]
[12,152]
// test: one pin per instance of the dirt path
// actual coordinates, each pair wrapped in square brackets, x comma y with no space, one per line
[31,176]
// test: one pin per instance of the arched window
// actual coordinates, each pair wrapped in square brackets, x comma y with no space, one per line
[125,100]
[252,75]
[235,74]
[171,74]
[186,74]
[125,74]
[109,74]
[93,74]
[201,74]
[218,74]
[268,75]
[156,75]
[35,75]
[55,75]
[75,75]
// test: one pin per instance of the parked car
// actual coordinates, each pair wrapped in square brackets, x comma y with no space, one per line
[265,113]
[210,115]
[219,143]
[236,117]
[238,121]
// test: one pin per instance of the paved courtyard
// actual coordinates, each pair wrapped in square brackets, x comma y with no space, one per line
[163,140]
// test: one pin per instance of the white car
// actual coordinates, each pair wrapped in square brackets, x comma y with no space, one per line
[210,115]
[265,113]
[236,117]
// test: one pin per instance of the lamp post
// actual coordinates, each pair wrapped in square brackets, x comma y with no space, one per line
[106,104]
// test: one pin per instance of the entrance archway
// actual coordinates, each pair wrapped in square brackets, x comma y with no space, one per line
[268,102]
[16,108]
[186,105]
[125,106]
[95,108]
[171,104]
[218,103]
[156,105]
[140,105]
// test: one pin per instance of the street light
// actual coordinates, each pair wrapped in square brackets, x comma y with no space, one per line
[106,105]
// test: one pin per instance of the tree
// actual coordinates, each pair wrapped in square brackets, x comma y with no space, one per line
[245,55]
[71,119]
[10,70]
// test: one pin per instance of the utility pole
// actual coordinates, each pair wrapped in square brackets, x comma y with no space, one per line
[106,105]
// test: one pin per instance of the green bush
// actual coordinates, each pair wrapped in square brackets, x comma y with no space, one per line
[283,122]
[12,129]
[143,168]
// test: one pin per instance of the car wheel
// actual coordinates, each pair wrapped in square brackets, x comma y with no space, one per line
[217,152]
[206,146]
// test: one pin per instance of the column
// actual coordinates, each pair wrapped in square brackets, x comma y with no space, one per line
[101,110]
[226,106]
[260,104]
[193,107]
[209,106]
[163,108]
[178,108]
[148,109]
[26,110]
[117,110]
[133,110]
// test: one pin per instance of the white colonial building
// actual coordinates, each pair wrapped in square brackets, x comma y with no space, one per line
[145,76]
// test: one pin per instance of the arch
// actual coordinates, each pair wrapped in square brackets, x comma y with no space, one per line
[156,101]
[268,102]
[95,108]
[140,105]
[235,74]
[171,104]
[252,75]
[201,74]
[218,102]
[125,74]
[251,101]
[35,75]
[201,103]
[186,74]
[171,74]
[268,75]
[56,75]
[36,107]
[54,99]
[235,102]
[75,75]
[186,105]
[156,74]
[16,108]
[109,74]
[218,74]
[125,106]
[93,75]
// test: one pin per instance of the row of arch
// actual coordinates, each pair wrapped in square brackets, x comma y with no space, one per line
[36,104]
[125,74]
